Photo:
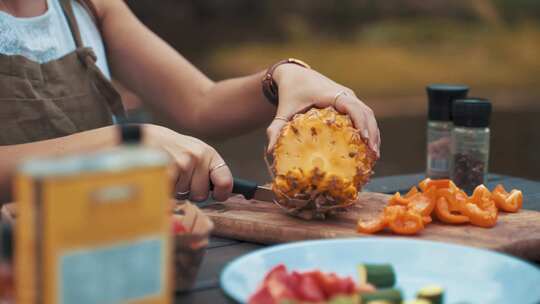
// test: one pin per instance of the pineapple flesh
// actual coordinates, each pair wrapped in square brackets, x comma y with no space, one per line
[320,163]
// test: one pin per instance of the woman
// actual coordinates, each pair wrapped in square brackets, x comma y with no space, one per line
[56,98]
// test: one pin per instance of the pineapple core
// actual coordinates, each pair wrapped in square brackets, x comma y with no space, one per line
[321,154]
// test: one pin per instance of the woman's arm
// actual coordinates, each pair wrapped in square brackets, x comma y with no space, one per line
[11,156]
[153,70]
[148,66]
[191,159]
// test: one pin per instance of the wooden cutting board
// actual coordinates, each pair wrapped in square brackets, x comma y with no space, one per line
[261,222]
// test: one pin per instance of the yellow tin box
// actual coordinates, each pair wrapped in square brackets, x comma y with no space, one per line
[94,229]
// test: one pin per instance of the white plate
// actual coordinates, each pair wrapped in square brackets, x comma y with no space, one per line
[467,274]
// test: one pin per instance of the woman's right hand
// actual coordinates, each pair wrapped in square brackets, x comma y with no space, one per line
[196,163]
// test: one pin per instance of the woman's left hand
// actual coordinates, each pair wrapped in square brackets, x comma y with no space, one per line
[301,89]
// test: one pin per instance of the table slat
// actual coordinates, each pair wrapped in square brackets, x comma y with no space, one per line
[211,296]
[216,242]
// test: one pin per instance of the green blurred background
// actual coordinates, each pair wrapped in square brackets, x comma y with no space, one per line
[387,51]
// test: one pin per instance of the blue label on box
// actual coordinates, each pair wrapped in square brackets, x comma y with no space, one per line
[113,274]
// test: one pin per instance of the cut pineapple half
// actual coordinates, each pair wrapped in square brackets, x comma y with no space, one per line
[320,162]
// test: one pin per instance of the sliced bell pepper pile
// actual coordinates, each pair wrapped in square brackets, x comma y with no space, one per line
[403,215]
[410,213]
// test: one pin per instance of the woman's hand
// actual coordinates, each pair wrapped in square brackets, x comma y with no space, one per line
[196,164]
[301,89]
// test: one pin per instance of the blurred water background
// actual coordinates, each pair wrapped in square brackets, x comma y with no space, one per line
[387,51]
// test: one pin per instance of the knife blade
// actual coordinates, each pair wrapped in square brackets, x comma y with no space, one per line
[252,190]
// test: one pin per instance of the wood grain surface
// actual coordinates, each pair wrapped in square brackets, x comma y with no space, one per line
[262,222]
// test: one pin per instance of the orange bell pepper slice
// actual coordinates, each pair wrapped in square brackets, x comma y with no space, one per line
[411,192]
[445,215]
[480,192]
[437,183]
[455,198]
[480,208]
[371,226]
[423,203]
[509,202]
[397,199]
[390,213]
[406,222]
[424,184]
[484,217]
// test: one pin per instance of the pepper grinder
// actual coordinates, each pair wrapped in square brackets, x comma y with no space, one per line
[470,142]
[439,127]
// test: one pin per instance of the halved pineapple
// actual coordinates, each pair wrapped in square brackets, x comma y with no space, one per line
[320,163]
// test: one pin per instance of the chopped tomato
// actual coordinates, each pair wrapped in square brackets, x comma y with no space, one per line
[262,296]
[333,285]
[309,289]
[177,227]
[445,215]
[278,282]
[306,287]
[509,202]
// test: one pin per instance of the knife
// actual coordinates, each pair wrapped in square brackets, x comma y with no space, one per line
[252,190]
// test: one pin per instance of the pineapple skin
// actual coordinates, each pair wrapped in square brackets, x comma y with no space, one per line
[320,163]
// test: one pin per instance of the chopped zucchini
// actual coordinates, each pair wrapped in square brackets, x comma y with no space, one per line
[390,295]
[433,293]
[378,275]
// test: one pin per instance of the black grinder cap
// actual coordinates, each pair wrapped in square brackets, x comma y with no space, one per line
[472,112]
[130,133]
[440,98]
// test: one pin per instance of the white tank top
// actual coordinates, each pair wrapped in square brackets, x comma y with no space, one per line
[48,37]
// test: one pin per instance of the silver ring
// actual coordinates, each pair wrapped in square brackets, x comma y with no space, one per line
[336,97]
[182,195]
[217,167]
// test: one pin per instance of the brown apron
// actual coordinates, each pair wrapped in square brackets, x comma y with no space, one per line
[57,98]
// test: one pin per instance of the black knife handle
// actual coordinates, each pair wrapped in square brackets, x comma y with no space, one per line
[241,186]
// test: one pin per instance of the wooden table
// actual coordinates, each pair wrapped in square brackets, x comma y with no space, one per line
[221,251]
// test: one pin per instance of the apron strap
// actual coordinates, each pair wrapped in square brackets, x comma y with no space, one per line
[72,21]
[89,6]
